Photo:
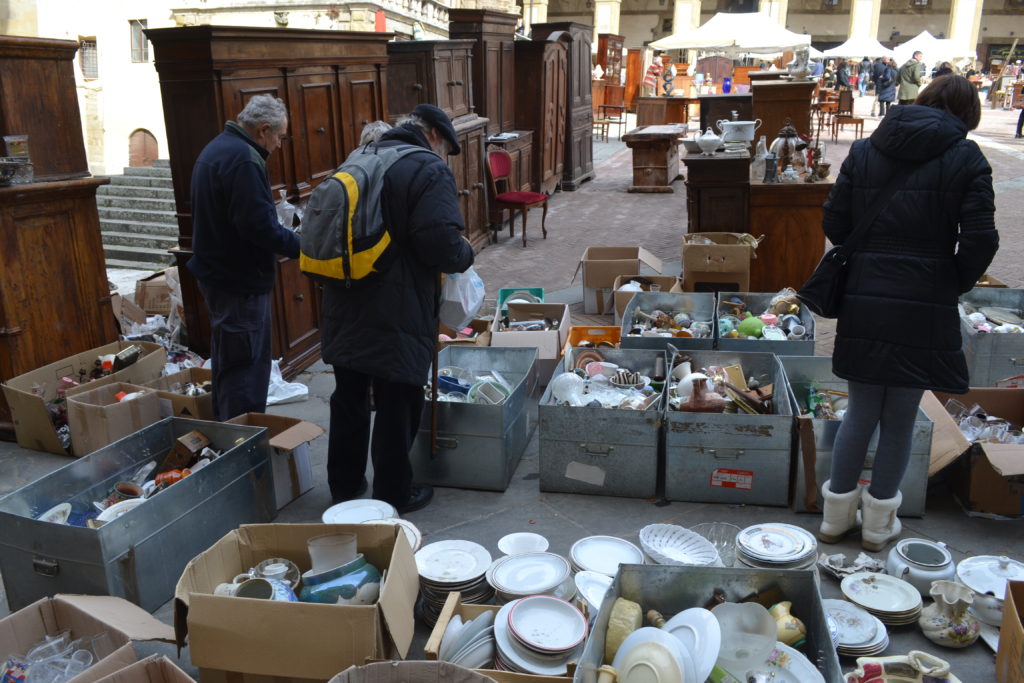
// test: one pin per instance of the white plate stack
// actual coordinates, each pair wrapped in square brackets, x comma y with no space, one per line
[449,566]
[776,546]
[538,635]
[894,601]
[518,576]
[859,633]
[603,554]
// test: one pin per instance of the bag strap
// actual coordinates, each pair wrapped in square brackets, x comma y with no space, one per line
[894,185]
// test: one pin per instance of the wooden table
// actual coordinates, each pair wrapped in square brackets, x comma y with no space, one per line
[789,216]
[655,157]
[717,188]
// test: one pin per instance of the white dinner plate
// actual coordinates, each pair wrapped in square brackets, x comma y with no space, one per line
[604,554]
[775,542]
[699,632]
[881,593]
[519,656]
[118,509]
[650,655]
[592,586]
[452,561]
[450,636]
[547,624]
[358,511]
[58,514]
[529,573]
[856,626]
[786,665]
[412,533]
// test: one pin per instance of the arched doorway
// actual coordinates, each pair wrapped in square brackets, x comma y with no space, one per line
[142,149]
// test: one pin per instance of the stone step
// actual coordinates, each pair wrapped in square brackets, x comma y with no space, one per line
[140,181]
[134,265]
[148,192]
[143,215]
[137,255]
[161,163]
[143,227]
[137,203]
[148,171]
[139,239]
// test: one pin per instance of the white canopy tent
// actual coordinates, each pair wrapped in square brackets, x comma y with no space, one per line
[748,32]
[934,49]
[858,46]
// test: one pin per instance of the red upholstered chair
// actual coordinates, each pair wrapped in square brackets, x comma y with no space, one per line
[499,165]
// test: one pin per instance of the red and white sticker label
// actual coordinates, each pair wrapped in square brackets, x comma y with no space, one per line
[732,479]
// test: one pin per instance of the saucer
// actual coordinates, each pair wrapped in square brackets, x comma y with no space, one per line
[58,514]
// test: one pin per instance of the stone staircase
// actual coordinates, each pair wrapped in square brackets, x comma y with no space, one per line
[137,217]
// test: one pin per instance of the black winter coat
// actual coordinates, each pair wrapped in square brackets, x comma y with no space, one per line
[885,85]
[386,326]
[898,323]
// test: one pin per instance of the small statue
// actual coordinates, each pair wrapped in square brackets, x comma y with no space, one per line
[800,68]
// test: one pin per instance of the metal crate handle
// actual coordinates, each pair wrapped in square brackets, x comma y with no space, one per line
[45,566]
[451,442]
[726,453]
[597,449]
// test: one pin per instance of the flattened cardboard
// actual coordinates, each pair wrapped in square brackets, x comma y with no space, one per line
[126,313]
[262,638]
[987,280]
[549,343]
[289,437]
[28,394]
[153,294]
[1010,657]
[97,418]
[708,267]
[948,442]
[152,669]
[482,338]
[668,283]
[180,405]
[601,265]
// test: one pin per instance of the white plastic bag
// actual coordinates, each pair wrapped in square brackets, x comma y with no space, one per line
[280,391]
[461,298]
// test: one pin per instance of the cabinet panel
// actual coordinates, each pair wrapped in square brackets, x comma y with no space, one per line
[443,71]
[315,133]
[459,85]
[362,93]
[407,88]
[237,88]
[296,309]
[540,106]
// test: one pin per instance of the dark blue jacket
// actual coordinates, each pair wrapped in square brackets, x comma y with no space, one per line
[898,322]
[236,236]
[386,326]
[885,84]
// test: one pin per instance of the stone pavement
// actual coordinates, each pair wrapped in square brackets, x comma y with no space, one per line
[602,213]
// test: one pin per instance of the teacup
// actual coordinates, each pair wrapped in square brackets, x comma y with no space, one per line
[123,490]
[266,589]
[797,332]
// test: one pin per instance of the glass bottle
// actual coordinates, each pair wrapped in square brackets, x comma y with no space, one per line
[757,163]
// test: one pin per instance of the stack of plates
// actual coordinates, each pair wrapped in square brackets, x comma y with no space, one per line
[860,634]
[538,635]
[358,511]
[894,601]
[517,576]
[776,546]
[469,644]
[603,554]
[449,566]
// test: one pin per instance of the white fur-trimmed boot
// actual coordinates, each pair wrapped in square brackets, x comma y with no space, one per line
[840,514]
[880,522]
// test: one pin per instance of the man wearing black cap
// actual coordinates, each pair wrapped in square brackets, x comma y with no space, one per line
[381,331]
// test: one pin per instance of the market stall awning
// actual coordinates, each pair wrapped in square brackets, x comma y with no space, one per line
[934,49]
[748,32]
[859,46]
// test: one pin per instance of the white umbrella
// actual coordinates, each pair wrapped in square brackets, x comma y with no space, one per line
[859,46]
[747,32]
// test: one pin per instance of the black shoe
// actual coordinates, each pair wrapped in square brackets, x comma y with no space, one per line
[419,497]
[1019,135]
[358,492]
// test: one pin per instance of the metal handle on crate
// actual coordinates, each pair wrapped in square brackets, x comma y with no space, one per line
[448,442]
[1017,361]
[45,566]
[596,448]
[726,453]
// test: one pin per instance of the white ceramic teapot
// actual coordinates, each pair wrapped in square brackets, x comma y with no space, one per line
[708,142]
[919,562]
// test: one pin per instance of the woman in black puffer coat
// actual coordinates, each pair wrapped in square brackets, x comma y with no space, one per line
[898,331]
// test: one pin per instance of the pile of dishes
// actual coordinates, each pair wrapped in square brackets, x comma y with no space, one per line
[538,635]
[603,554]
[894,601]
[776,546]
[676,545]
[469,644]
[591,588]
[449,566]
[517,576]
[859,633]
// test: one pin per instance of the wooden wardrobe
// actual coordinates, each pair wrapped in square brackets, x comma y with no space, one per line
[541,74]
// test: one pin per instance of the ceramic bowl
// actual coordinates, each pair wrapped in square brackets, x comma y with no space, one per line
[522,542]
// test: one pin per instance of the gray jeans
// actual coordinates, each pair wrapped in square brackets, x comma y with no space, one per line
[893,411]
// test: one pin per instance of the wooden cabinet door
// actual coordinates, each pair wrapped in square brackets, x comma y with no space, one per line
[363,103]
[444,79]
[408,85]
[316,136]
[553,79]
[296,312]
[459,85]
[525,166]
[477,198]
[236,91]
[507,86]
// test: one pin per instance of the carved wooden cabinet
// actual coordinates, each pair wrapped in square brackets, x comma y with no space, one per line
[333,83]
[493,58]
[789,216]
[541,72]
[609,57]
[471,178]
[634,76]
[717,107]
[579,131]
[717,191]
[775,101]
[435,72]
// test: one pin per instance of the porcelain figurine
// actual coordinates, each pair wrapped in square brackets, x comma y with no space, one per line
[791,630]
[947,622]
[355,583]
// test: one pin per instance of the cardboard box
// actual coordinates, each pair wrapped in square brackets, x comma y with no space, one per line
[1010,657]
[28,395]
[992,474]
[249,640]
[152,669]
[153,295]
[84,615]
[179,405]
[429,672]
[97,418]
[482,328]
[668,283]
[289,437]
[722,266]
[601,265]
[987,280]
[549,343]
[126,313]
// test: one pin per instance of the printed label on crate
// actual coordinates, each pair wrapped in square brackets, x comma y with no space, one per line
[588,474]
[732,479]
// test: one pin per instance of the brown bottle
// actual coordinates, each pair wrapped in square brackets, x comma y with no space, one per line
[703,399]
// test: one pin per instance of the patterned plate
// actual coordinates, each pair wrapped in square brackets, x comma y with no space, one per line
[856,626]
[775,542]
[881,593]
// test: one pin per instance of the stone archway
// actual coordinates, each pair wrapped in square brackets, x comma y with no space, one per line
[142,148]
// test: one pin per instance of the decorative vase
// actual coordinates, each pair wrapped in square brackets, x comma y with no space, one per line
[750,326]
[703,399]
[791,630]
[946,621]
[355,583]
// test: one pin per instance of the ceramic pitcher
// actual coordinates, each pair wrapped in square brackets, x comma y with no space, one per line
[946,621]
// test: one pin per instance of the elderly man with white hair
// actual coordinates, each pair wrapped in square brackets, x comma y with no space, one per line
[236,238]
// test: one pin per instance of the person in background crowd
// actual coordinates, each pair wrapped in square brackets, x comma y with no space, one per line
[817,68]
[236,239]
[652,79]
[909,80]
[863,76]
[1020,122]
[843,75]
[372,132]
[830,74]
[932,241]
[943,69]
[885,86]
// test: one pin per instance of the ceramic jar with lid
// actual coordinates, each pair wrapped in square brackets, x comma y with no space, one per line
[919,562]
[987,575]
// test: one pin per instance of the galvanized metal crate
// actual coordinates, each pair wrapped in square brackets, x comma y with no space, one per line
[801,371]
[731,458]
[140,555]
[699,305]
[603,451]
[992,357]
[478,446]
[671,589]
[757,303]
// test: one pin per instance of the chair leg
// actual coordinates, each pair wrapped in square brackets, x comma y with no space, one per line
[511,222]
[525,211]
[543,220]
